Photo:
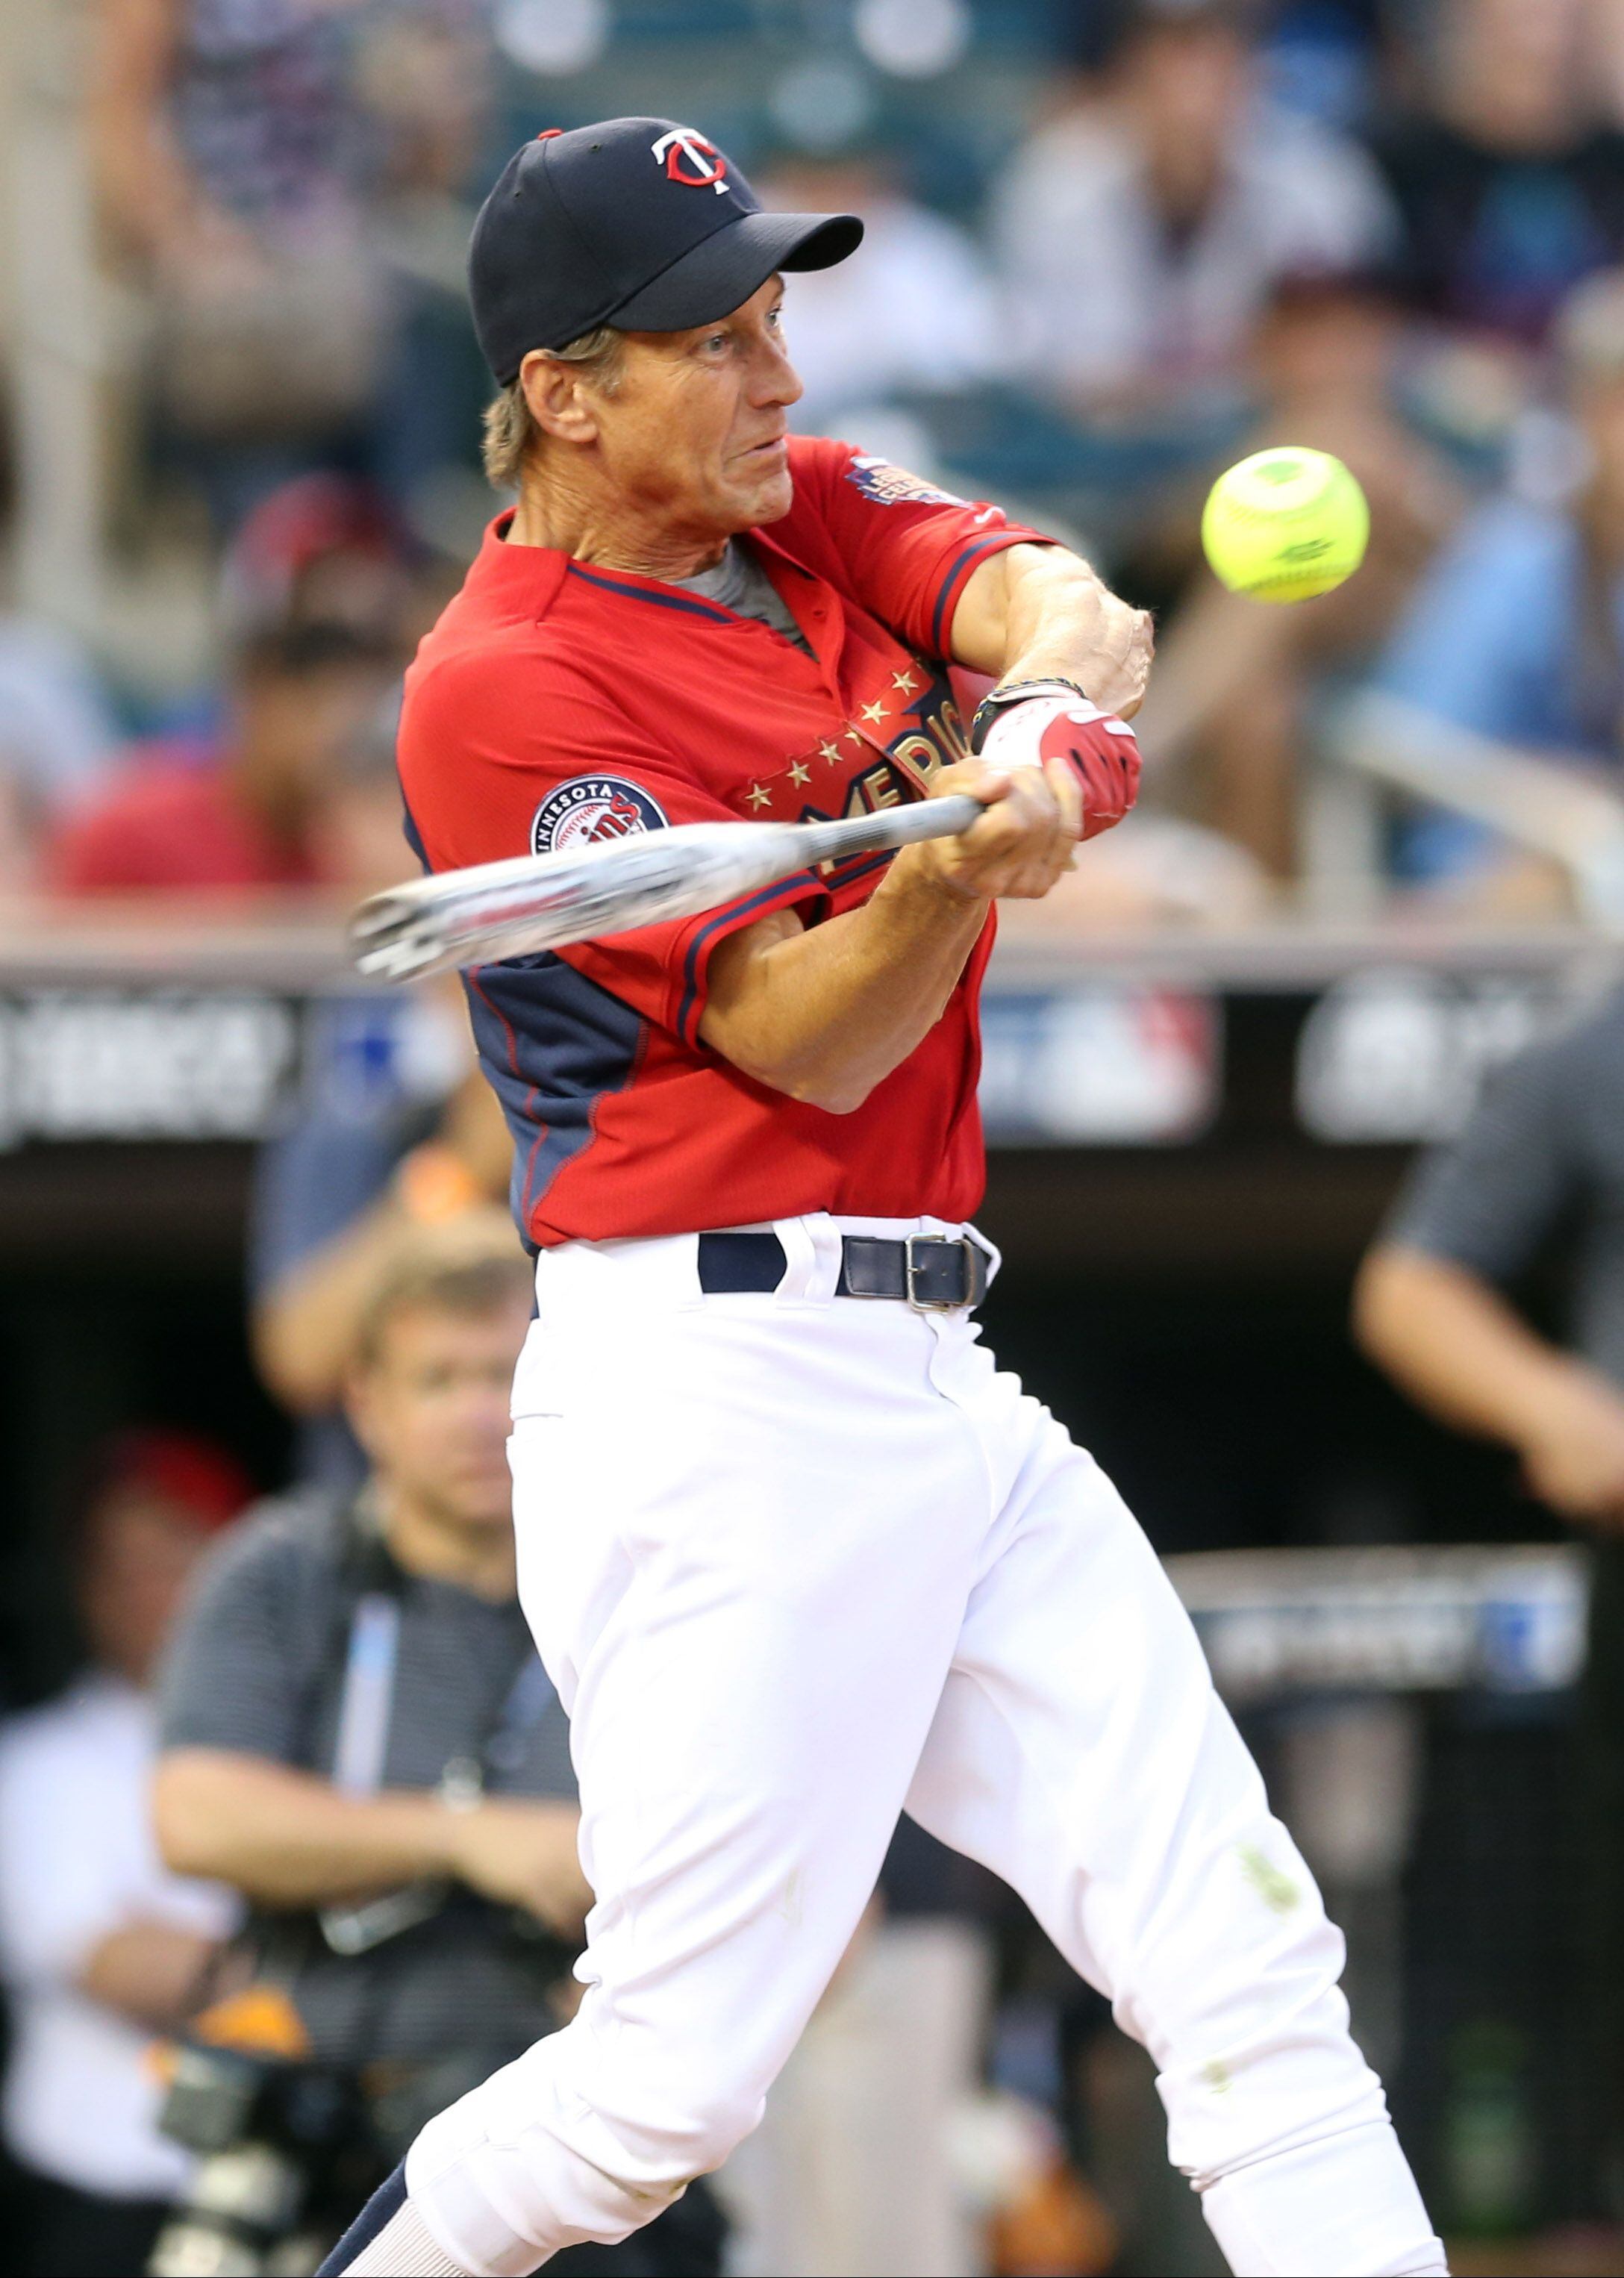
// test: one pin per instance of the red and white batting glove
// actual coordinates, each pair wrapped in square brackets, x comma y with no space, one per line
[1024,726]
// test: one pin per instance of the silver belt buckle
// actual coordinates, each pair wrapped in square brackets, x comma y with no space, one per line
[912,1269]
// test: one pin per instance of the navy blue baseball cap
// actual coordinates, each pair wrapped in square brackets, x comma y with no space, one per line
[639,223]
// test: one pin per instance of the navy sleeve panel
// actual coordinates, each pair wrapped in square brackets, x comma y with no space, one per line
[553,1043]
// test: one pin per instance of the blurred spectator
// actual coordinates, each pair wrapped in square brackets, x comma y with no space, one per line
[1538,1175]
[58,745]
[394,1129]
[101,1948]
[1231,707]
[1324,56]
[247,153]
[442,1789]
[243,814]
[1517,632]
[917,312]
[1508,176]
[326,549]
[57,738]
[1142,228]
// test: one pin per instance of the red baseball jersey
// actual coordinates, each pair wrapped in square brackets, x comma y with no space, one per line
[557,701]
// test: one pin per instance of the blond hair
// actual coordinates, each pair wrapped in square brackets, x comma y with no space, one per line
[472,1267]
[511,432]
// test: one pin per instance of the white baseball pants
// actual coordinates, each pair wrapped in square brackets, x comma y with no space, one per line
[795,1560]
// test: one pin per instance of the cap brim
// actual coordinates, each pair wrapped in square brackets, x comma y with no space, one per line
[714,278]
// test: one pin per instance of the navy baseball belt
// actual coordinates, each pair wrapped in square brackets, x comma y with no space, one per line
[933,1273]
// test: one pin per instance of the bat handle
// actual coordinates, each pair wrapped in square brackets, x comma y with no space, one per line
[892,826]
[930,818]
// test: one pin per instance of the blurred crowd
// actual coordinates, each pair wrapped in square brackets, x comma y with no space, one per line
[1112,244]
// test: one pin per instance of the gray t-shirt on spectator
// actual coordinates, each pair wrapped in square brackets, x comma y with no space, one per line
[1541,1155]
[257,1664]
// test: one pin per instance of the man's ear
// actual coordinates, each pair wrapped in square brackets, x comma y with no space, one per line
[559,398]
[357,1400]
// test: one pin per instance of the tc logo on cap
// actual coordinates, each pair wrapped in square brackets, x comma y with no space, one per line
[692,159]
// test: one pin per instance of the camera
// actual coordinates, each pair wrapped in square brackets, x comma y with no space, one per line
[274,2139]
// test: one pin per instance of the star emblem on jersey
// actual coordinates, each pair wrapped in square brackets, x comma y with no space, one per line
[588,809]
[799,774]
[692,159]
[873,711]
[903,683]
[831,753]
[759,798]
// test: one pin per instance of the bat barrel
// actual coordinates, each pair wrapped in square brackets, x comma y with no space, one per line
[538,902]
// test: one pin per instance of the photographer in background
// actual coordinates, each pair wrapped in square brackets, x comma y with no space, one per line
[357,1734]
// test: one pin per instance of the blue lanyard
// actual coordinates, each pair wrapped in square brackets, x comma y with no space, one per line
[361,1743]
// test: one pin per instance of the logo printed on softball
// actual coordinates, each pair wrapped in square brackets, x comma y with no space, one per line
[590,810]
[692,159]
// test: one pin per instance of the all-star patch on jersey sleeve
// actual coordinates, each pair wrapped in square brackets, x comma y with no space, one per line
[558,703]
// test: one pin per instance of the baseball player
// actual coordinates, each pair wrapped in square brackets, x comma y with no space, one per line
[796,1553]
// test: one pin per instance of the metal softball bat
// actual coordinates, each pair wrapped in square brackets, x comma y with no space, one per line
[547,901]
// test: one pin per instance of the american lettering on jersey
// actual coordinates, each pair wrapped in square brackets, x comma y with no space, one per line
[892,760]
[590,809]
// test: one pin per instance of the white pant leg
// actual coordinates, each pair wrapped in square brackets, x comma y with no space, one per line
[747,1538]
[1082,1752]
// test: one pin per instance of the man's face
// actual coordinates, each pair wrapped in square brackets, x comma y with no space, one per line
[289,727]
[1194,80]
[1518,67]
[693,435]
[139,1552]
[431,1410]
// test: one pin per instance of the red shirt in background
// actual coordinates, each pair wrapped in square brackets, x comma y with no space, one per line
[174,821]
[557,701]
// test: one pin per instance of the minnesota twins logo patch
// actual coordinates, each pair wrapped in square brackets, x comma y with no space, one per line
[588,809]
[889,485]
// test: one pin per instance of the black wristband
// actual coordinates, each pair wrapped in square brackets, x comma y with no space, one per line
[1017,692]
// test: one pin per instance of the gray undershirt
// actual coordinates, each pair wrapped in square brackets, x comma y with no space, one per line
[739,582]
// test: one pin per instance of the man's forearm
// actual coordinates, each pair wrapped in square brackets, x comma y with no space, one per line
[288,1838]
[303,1326]
[829,1012]
[1039,611]
[146,192]
[148,1971]
[1455,1346]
